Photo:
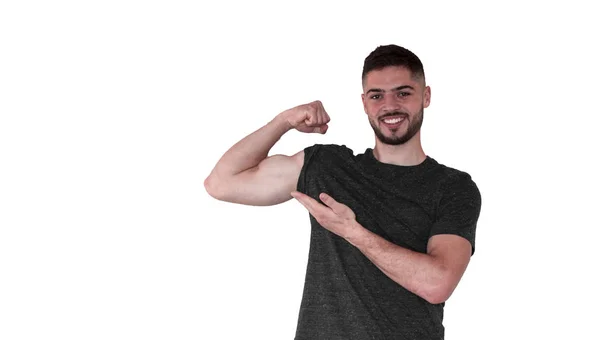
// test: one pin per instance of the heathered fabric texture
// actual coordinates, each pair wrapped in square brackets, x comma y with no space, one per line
[345,295]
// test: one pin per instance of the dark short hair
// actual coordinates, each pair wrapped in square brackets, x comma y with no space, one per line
[393,55]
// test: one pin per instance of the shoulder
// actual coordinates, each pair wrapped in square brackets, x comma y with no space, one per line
[453,182]
[325,157]
[449,174]
[328,150]
[320,159]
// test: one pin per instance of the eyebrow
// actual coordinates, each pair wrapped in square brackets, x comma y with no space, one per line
[394,89]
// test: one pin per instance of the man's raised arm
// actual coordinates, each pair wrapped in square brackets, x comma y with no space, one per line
[245,174]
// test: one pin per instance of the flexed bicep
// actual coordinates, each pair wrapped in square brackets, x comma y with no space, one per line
[268,183]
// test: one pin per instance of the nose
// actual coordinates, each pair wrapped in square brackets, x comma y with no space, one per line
[390,103]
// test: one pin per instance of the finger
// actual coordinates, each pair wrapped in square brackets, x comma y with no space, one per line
[302,198]
[308,202]
[304,204]
[315,110]
[322,129]
[337,207]
[324,116]
[318,109]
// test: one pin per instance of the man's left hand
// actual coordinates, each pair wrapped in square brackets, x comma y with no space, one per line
[333,216]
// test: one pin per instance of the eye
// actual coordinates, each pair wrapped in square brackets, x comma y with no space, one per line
[376,96]
[403,94]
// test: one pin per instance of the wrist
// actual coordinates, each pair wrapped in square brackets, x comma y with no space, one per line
[281,122]
[357,234]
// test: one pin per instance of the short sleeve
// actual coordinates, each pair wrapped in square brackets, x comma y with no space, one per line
[309,155]
[459,209]
[320,158]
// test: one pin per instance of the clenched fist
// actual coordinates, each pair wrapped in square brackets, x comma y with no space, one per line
[308,118]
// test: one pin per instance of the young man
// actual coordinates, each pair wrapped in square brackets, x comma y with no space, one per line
[392,230]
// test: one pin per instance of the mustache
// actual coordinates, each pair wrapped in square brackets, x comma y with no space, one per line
[394,113]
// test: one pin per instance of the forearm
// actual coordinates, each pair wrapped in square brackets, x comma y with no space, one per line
[251,150]
[419,273]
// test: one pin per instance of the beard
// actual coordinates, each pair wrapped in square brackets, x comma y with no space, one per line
[414,125]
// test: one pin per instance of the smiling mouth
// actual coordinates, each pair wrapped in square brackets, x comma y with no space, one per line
[393,121]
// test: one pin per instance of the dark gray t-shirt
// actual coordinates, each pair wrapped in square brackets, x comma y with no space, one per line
[345,295]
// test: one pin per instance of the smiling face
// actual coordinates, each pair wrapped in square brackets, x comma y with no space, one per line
[394,101]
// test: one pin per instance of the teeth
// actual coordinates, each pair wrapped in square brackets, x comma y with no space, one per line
[392,121]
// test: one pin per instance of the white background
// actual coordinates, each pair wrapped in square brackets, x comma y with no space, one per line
[113,113]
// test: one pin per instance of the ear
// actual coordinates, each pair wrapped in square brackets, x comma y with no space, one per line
[362,96]
[426,96]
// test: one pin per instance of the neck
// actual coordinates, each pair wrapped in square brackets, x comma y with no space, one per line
[407,154]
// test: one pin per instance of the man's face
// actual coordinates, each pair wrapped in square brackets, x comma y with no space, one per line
[394,102]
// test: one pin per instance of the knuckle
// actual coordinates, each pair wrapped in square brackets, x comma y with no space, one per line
[321,215]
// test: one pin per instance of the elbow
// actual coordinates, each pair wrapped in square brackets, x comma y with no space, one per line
[439,291]
[437,295]
[211,185]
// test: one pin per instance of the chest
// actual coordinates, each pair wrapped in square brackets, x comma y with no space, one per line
[402,211]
